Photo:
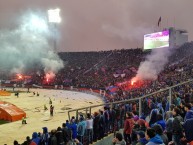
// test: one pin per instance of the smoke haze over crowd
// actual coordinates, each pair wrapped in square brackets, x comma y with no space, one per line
[27,46]
[153,64]
[104,25]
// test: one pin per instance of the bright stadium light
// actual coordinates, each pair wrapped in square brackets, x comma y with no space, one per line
[54,16]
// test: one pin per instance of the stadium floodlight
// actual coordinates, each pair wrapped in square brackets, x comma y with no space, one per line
[54,16]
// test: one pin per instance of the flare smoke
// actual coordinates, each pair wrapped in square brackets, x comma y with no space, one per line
[27,46]
[153,65]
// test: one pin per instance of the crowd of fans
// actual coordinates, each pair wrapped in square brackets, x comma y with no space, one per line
[162,127]
[159,123]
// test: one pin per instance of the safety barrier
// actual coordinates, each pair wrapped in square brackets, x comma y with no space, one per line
[137,100]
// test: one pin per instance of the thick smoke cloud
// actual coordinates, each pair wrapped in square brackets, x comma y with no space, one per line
[90,25]
[29,45]
[153,64]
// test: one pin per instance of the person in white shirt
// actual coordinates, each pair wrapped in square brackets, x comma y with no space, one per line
[89,128]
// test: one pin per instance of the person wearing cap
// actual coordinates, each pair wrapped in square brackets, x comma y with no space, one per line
[141,138]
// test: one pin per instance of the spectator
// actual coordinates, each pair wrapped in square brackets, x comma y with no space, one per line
[45,136]
[59,136]
[177,100]
[152,138]
[160,121]
[15,142]
[142,126]
[101,125]
[112,119]
[128,127]
[96,130]
[73,127]
[35,139]
[53,139]
[177,126]
[81,127]
[182,109]
[118,140]
[141,138]
[27,142]
[169,123]
[159,131]
[153,117]
[67,123]
[89,128]
[188,129]
[106,119]
[67,133]
[189,112]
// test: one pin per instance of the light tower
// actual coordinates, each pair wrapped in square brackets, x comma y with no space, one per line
[54,19]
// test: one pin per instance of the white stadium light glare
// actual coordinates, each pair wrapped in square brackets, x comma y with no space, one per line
[54,16]
[36,23]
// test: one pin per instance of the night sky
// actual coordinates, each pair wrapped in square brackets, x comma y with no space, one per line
[93,25]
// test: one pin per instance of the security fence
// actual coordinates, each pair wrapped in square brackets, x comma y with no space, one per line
[167,92]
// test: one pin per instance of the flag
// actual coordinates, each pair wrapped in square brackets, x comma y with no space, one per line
[159,21]
[116,75]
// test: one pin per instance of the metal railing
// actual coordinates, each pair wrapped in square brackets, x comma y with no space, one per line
[139,100]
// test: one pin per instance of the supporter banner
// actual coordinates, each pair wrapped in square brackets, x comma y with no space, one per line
[116,75]
[112,89]
[122,75]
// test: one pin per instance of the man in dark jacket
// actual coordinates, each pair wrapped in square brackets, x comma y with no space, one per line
[188,128]
[67,133]
[59,136]
[53,139]
[177,126]
[106,120]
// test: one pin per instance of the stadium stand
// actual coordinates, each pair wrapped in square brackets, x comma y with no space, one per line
[159,123]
